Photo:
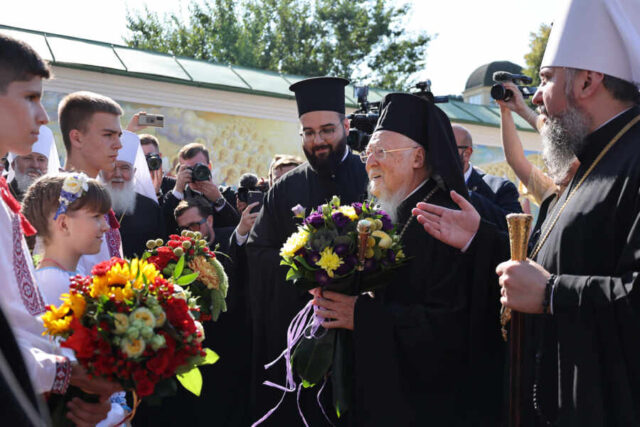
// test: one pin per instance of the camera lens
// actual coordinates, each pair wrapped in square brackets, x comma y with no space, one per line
[200,172]
[154,162]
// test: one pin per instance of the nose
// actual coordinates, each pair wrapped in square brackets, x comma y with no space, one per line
[42,117]
[104,227]
[118,143]
[371,160]
[537,97]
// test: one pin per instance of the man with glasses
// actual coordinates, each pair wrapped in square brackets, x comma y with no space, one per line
[331,169]
[426,346]
[195,214]
[492,196]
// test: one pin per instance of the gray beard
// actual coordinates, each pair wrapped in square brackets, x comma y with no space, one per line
[23,181]
[562,137]
[123,201]
[388,203]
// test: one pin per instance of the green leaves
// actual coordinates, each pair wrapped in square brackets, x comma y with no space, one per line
[312,358]
[187,279]
[357,39]
[210,358]
[191,380]
[179,267]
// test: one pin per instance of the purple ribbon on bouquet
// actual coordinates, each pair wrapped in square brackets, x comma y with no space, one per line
[296,330]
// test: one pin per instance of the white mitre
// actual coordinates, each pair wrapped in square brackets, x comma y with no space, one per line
[597,35]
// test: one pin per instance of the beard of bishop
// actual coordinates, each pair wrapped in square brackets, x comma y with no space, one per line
[123,200]
[388,201]
[330,163]
[562,137]
[24,180]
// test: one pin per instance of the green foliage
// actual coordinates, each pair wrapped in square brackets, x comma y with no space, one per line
[533,59]
[346,38]
[191,380]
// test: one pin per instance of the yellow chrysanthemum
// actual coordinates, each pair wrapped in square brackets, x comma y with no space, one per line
[76,303]
[329,261]
[349,212]
[208,274]
[122,279]
[121,294]
[294,243]
[57,319]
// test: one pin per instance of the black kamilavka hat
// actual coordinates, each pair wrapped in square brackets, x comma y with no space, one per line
[320,94]
[429,126]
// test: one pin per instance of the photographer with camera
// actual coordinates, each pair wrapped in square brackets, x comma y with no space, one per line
[194,178]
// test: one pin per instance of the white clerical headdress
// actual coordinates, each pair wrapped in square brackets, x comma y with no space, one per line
[45,145]
[131,152]
[597,35]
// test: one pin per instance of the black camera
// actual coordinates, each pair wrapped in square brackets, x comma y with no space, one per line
[200,172]
[499,92]
[424,92]
[362,121]
[154,161]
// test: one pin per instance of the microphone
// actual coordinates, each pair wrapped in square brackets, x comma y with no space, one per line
[505,76]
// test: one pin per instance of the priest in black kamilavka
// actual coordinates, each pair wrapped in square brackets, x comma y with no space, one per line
[331,169]
[426,350]
[581,352]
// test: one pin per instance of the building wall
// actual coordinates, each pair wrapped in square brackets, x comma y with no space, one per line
[241,131]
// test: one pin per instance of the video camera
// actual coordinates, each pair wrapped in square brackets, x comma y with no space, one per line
[363,121]
[499,92]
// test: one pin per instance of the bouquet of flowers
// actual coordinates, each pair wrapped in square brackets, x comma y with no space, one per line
[188,255]
[326,248]
[349,249]
[128,324]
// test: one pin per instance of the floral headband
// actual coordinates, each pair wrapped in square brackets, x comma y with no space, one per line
[73,187]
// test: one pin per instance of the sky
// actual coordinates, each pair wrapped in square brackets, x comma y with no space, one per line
[468,33]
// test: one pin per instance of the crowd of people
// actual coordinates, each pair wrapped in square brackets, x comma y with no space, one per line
[428,346]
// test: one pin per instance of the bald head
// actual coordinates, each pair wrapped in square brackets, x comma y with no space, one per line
[464,143]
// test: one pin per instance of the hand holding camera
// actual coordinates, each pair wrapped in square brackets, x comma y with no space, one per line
[500,92]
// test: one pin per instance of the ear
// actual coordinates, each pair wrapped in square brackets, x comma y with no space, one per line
[588,82]
[75,137]
[469,153]
[61,223]
[345,123]
[420,158]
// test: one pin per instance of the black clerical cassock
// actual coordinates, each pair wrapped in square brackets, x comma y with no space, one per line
[427,346]
[274,301]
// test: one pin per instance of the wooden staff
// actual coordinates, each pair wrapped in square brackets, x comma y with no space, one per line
[364,231]
[519,229]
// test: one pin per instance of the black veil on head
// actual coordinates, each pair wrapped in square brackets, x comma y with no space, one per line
[430,127]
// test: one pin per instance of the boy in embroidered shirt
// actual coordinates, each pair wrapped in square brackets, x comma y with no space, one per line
[21,115]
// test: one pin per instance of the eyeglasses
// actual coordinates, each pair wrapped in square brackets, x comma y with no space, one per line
[463,147]
[325,133]
[380,153]
[194,226]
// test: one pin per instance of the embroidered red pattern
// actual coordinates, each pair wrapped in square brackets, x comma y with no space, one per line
[113,238]
[29,293]
[63,375]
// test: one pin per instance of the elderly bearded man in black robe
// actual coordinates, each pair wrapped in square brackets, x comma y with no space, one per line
[331,170]
[580,288]
[427,349]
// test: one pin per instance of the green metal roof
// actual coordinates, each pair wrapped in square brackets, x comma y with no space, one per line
[73,52]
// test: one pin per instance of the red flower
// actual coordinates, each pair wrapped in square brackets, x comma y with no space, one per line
[174,244]
[81,341]
[174,237]
[144,385]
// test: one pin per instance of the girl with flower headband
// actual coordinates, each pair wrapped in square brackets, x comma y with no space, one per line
[68,210]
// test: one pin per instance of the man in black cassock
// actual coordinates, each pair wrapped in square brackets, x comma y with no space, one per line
[331,170]
[427,349]
[580,288]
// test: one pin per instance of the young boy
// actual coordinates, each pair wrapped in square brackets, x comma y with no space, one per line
[21,115]
[90,126]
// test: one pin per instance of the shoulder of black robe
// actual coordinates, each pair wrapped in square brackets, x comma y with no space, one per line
[273,300]
[414,362]
[593,249]
[144,224]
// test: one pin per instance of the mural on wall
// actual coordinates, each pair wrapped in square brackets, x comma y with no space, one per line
[236,144]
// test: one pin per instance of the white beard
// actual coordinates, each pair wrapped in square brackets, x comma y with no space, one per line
[23,181]
[123,200]
[389,202]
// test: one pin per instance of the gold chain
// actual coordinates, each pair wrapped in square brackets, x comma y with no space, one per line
[558,211]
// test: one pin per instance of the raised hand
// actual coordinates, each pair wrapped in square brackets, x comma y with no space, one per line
[452,227]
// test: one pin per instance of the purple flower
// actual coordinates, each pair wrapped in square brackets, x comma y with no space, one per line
[369,264]
[391,256]
[322,277]
[344,269]
[341,250]
[386,221]
[298,211]
[340,219]
[315,220]
[312,257]
[358,208]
